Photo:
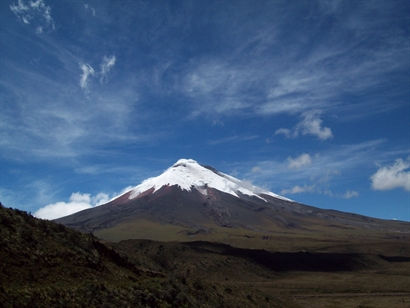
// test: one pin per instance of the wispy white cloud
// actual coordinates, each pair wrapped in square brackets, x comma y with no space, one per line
[311,124]
[106,65]
[50,117]
[217,87]
[87,70]
[37,13]
[392,176]
[350,194]
[298,189]
[20,10]
[284,131]
[263,75]
[302,160]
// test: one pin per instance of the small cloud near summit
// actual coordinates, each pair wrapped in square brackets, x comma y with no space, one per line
[77,202]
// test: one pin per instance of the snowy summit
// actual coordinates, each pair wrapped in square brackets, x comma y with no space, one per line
[188,174]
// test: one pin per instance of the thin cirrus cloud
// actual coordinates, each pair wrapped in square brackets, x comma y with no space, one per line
[88,71]
[264,75]
[36,13]
[215,86]
[48,117]
[225,85]
[350,194]
[300,161]
[298,189]
[396,175]
[106,65]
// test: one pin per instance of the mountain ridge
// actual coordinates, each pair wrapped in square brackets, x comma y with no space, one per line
[191,202]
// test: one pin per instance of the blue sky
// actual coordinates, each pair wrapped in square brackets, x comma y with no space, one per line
[309,99]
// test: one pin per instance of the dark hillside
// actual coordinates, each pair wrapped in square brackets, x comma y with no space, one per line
[46,264]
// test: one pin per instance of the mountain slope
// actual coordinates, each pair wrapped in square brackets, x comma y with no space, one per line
[44,264]
[192,202]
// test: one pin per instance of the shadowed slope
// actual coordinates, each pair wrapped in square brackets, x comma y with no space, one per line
[46,264]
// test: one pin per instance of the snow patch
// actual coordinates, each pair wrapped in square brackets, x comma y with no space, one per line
[188,174]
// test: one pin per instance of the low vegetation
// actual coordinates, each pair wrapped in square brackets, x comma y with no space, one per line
[44,264]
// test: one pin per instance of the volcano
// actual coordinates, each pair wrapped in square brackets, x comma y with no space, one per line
[190,201]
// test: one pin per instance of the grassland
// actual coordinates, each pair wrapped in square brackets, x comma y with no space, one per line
[319,239]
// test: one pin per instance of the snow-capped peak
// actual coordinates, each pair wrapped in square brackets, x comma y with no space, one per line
[188,174]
